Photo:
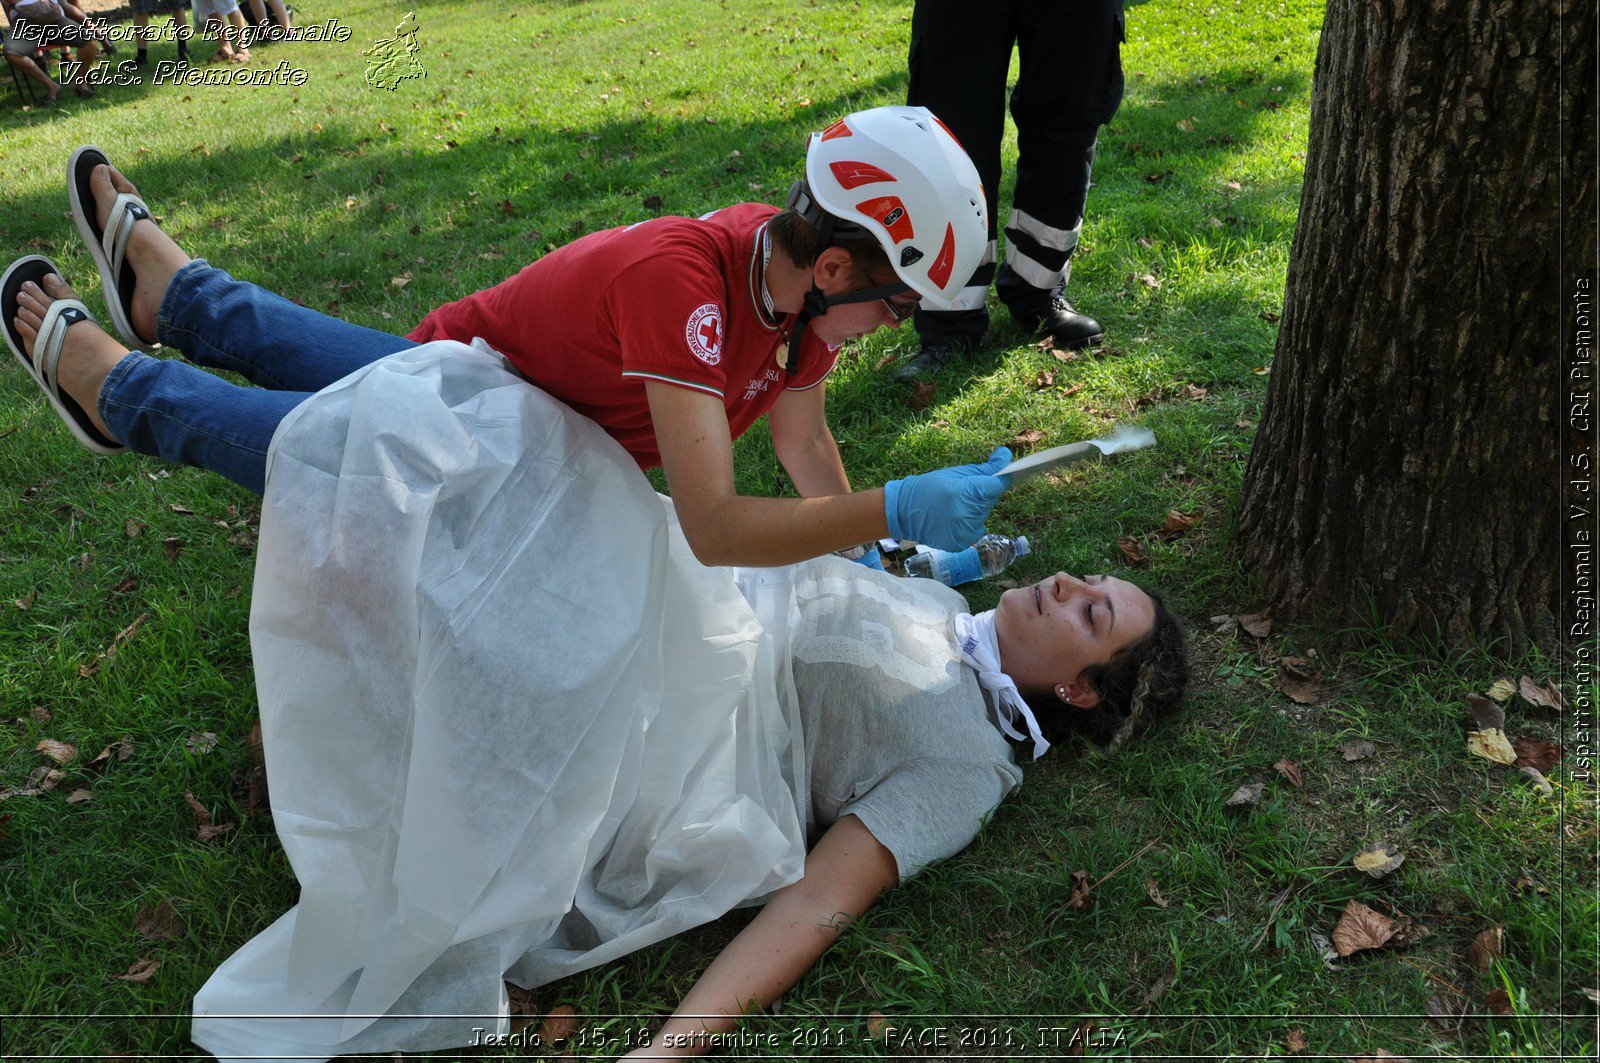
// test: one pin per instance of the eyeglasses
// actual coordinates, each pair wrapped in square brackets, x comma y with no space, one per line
[898,312]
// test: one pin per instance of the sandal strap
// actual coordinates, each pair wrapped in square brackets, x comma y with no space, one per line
[126,209]
[63,314]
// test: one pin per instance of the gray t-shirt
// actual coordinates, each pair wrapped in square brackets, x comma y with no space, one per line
[897,730]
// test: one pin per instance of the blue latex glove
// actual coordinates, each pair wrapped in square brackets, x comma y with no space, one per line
[946,509]
[872,559]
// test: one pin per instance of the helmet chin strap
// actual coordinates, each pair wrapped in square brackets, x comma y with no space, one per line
[815,303]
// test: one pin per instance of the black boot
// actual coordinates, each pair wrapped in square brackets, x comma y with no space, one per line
[945,335]
[1039,312]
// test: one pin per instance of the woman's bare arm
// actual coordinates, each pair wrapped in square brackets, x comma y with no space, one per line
[726,528]
[844,875]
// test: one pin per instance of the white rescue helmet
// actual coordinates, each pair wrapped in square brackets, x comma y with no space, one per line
[898,175]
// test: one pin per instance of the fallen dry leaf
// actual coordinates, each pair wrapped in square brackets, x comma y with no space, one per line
[1360,927]
[1154,891]
[1545,697]
[1486,714]
[133,527]
[140,972]
[1131,551]
[885,360]
[1290,770]
[1536,776]
[201,743]
[1179,522]
[1028,437]
[1304,667]
[1081,896]
[1158,989]
[1491,745]
[1378,860]
[1498,1001]
[1526,884]
[1325,949]
[250,790]
[1193,392]
[1257,624]
[878,1027]
[77,797]
[1046,378]
[1248,794]
[1536,753]
[39,714]
[1443,1013]
[922,395]
[43,779]
[159,922]
[173,546]
[1224,624]
[1357,749]
[1296,1041]
[1501,689]
[652,202]
[205,829]
[1148,281]
[60,752]
[1487,947]
[1300,691]
[26,603]
[558,1026]
[1063,354]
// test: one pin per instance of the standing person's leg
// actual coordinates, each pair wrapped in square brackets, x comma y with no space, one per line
[1059,104]
[142,10]
[960,55]
[224,323]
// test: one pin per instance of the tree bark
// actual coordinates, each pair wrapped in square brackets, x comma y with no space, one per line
[1406,470]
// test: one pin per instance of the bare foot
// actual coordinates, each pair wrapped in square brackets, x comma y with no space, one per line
[152,255]
[87,355]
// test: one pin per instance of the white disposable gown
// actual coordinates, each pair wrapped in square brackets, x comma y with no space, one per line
[513,729]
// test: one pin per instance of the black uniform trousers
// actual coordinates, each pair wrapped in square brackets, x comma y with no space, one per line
[1070,85]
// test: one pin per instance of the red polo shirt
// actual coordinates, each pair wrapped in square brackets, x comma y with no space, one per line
[671,299]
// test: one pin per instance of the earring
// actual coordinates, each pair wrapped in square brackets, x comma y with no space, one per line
[1061,692]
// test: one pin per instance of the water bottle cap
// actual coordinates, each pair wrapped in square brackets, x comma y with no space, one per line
[1023,549]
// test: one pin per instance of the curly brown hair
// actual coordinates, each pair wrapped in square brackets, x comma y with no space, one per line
[1139,687]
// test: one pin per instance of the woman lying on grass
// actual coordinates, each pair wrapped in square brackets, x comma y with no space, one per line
[514,729]
[906,703]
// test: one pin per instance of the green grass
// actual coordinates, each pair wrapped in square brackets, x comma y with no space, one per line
[574,114]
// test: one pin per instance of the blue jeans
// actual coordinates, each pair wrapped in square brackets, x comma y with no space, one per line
[175,411]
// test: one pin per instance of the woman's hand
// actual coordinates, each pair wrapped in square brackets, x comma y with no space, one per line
[844,875]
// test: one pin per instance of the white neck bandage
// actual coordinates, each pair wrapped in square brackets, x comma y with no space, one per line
[980,649]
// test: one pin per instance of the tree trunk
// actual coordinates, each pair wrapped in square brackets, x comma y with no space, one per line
[1407,465]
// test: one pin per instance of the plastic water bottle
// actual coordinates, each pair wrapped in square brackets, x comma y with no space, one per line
[986,557]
